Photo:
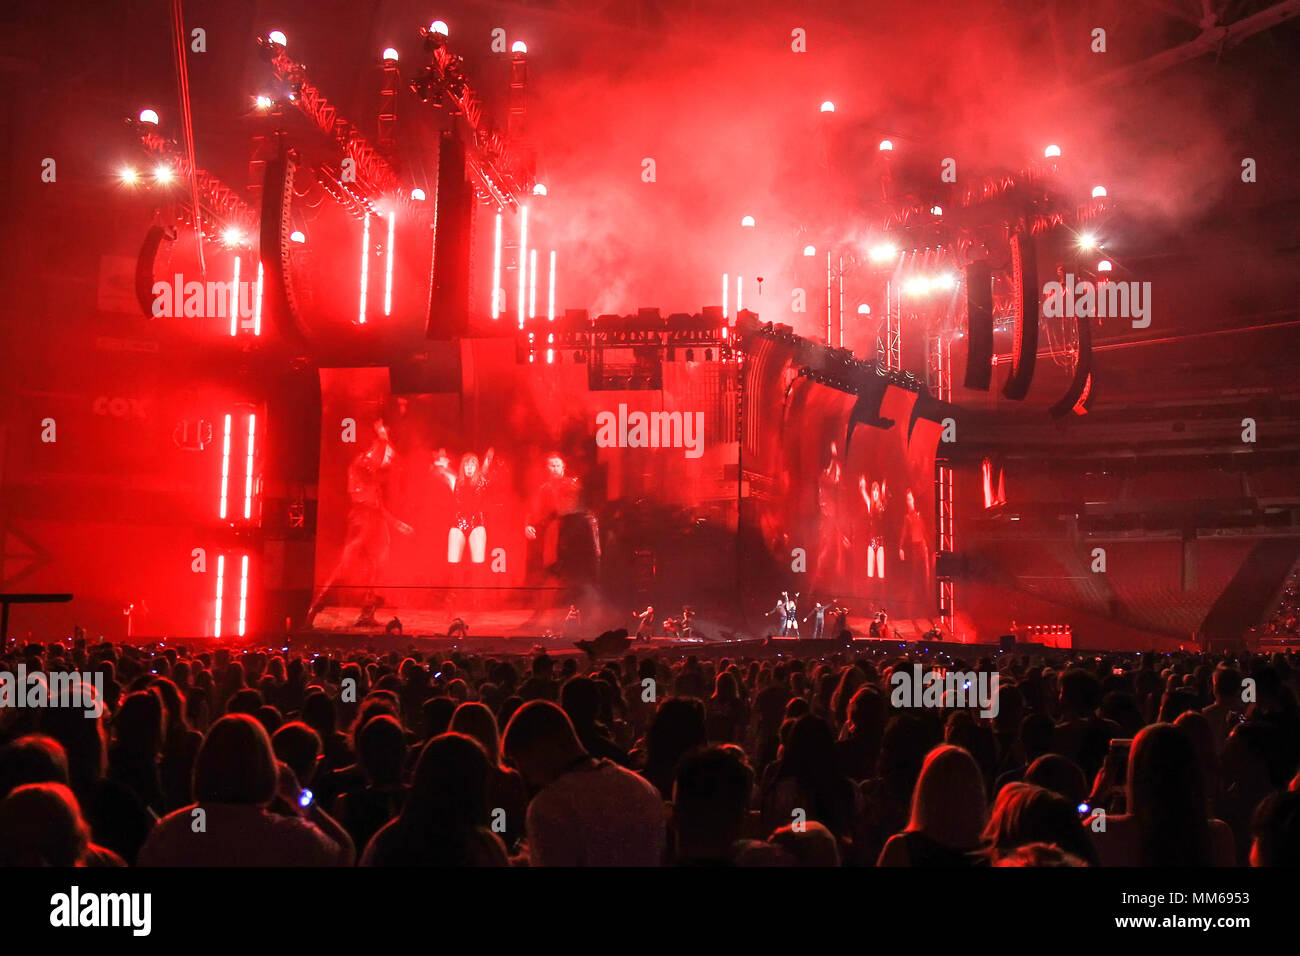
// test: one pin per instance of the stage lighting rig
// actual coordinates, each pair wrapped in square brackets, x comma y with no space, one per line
[374,176]
[443,83]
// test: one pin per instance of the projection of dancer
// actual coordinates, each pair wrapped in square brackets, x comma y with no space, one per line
[877,503]
[914,551]
[367,540]
[467,488]
[569,534]
[834,538]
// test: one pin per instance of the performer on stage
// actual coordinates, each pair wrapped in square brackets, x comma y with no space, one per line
[467,486]
[818,617]
[688,622]
[569,534]
[839,619]
[572,623]
[646,629]
[367,541]
[914,552]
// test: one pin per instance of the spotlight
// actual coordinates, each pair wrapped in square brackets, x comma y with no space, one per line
[916,285]
[1103,266]
[128,176]
[864,309]
[1052,151]
[438,27]
[886,145]
[275,36]
[810,250]
[149,116]
[1086,240]
[883,252]
[747,222]
[263,102]
[297,236]
[1098,192]
[162,174]
[539,189]
[389,55]
[945,280]
[417,194]
[232,236]
[936,210]
[519,46]
[828,107]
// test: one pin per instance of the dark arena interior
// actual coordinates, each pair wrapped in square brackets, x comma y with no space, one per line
[740,433]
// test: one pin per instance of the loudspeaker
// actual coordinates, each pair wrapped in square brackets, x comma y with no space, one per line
[144,267]
[1024,344]
[449,297]
[1007,642]
[279,304]
[979,325]
[1079,394]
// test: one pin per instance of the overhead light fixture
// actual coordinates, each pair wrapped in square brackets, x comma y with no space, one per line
[275,36]
[149,116]
[886,145]
[1052,151]
[389,55]
[519,46]
[747,222]
[828,107]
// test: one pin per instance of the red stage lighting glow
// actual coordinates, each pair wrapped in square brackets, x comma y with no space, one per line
[496,273]
[233,305]
[248,469]
[257,303]
[225,468]
[523,261]
[388,268]
[221,587]
[128,176]
[365,269]
[163,174]
[243,594]
[532,283]
[550,292]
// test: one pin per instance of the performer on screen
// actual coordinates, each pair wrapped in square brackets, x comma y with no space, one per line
[877,502]
[467,484]
[834,537]
[367,539]
[569,534]
[914,552]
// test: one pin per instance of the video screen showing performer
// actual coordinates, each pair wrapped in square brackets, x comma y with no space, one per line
[566,533]
[366,548]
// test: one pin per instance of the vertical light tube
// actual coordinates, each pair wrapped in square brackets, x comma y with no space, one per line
[550,292]
[248,469]
[257,302]
[243,594]
[523,261]
[221,587]
[726,294]
[496,273]
[233,305]
[365,269]
[388,276]
[225,468]
[532,283]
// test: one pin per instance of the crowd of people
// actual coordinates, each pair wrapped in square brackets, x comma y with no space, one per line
[207,757]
